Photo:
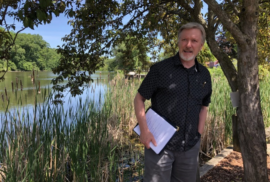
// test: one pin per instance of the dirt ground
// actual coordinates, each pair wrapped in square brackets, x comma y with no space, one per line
[229,169]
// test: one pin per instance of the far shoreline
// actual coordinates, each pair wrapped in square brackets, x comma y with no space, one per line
[28,71]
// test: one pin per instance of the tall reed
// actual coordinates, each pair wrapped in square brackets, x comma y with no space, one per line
[94,141]
[218,127]
[49,143]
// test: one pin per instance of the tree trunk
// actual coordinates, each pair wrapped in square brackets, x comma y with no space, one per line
[252,133]
[235,127]
[251,126]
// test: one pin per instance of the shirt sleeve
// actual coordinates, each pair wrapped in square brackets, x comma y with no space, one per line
[150,83]
[207,99]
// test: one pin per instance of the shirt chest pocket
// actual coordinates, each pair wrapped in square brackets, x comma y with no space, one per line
[198,89]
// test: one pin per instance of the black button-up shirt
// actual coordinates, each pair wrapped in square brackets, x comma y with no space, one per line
[178,94]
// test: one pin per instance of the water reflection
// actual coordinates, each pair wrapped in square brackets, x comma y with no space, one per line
[29,93]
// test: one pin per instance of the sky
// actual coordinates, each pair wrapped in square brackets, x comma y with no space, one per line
[51,33]
[58,28]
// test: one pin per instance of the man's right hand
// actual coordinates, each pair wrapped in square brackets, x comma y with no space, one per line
[146,138]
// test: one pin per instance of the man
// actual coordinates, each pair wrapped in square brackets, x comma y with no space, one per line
[180,90]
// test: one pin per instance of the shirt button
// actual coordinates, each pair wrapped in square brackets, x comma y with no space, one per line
[183,142]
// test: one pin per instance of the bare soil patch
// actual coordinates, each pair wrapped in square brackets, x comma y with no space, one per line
[229,169]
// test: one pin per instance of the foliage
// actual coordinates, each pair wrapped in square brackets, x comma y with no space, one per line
[264,73]
[31,13]
[84,47]
[227,43]
[216,72]
[264,33]
[163,56]
[130,55]
[49,145]
[97,27]
[107,65]
[205,55]
[31,52]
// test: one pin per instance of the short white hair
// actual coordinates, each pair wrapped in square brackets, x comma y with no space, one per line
[190,26]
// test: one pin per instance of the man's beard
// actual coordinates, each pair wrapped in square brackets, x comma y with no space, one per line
[187,58]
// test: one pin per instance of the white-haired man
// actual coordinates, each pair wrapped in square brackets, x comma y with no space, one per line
[180,90]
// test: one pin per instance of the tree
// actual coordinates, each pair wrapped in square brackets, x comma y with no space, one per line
[251,125]
[130,55]
[32,49]
[31,13]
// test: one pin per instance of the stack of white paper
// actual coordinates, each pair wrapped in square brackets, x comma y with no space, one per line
[160,128]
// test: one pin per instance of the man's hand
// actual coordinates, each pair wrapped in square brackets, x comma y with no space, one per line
[146,138]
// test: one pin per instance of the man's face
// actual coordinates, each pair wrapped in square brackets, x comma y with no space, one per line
[190,44]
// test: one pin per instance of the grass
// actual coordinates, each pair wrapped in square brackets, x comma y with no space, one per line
[90,142]
[57,145]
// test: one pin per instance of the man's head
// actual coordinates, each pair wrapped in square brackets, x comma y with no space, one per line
[191,38]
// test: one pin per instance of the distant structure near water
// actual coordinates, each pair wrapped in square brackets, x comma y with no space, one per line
[132,75]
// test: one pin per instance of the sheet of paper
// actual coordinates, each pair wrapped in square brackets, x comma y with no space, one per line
[161,130]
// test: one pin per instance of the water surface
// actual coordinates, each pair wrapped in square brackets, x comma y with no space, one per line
[25,90]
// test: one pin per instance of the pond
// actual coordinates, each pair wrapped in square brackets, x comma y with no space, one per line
[78,129]
[20,90]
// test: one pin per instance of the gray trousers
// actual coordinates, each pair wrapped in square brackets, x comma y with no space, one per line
[171,166]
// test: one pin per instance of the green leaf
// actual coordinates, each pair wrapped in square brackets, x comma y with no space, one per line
[20,14]
[31,24]
[42,4]
[26,22]
[62,7]
[71,13]
[56,12]
[40,15]
[13,27]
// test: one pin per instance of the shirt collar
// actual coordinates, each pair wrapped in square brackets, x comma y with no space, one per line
[177,62]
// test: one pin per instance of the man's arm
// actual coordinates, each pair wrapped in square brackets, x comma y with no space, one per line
[146,136]
[202,118]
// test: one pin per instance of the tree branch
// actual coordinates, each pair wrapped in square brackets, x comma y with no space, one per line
[239,37]
[186,6]
[197,13]
[233,7]
[262,2]
[225,62]
[4,15]
[197,8]
[176,12]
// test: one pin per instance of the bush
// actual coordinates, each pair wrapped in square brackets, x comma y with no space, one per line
[27,66]
[263,72]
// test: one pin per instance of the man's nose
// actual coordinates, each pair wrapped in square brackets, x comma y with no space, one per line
[189,43]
